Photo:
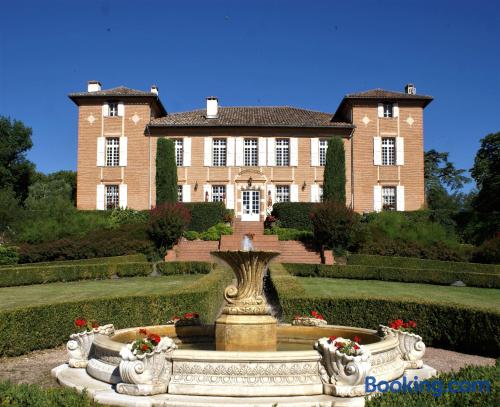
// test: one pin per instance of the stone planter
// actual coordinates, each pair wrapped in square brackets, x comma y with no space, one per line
[411,346]
[80,344]
[309,321]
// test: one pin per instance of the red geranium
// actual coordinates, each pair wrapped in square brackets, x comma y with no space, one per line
[357,339]
[331,339]
[356,347]
[143,331]
[399,324]
[154,338]
[95,325]
[80,322]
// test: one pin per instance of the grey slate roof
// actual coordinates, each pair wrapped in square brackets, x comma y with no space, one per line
[260,116]
[113,92]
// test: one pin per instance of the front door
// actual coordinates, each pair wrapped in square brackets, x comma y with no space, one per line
[250,201]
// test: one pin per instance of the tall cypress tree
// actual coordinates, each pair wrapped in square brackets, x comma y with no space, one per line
[334,175]
[166,172]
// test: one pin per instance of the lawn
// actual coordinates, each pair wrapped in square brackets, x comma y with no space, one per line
[39,294]
[470,296]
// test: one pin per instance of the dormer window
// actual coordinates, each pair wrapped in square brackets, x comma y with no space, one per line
[113,109]
[388,109]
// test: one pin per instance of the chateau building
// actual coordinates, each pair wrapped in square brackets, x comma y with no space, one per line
[250,157]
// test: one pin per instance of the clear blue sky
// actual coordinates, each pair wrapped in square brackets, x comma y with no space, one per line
[301,53]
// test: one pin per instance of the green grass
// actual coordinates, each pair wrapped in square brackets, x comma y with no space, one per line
[470,296]
[41,294]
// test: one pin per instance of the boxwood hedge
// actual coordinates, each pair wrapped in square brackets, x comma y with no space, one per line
[407,275]
[205,214]
[460,328]
[294,215]
[184,267]
[26,329]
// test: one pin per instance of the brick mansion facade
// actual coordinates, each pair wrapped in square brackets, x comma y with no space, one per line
[249,157]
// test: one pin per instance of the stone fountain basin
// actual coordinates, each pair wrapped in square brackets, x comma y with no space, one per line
[293,370]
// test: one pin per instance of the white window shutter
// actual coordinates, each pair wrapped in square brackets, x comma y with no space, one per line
[186,193]
[123,152]
[230,196]
[395,110]
[294,151]
[207,152]
[186,148]
[294,193]
[400,151]
[314,152]
[262,151]
[122,195]
[271,151]
[377,198]
[121,109]
[239,152]
[380,110]
[230,152]
[101,151]
[105,109]
[207,188]
[314,193]
[377,150]
[400,198]
[100,197]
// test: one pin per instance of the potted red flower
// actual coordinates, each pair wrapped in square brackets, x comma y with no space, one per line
[314,319]
[411,346]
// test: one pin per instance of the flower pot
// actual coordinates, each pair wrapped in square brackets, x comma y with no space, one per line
[411,346]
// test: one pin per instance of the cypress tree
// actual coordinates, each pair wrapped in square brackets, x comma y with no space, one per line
[334,175]
[166,172]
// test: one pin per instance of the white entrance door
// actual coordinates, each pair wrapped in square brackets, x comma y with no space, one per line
[250,201]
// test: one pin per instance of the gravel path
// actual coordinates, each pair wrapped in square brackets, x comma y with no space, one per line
[35,367]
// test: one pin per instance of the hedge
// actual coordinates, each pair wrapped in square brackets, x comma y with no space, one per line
[184,267]
[454,327]
[469,374]
[414,262]
[31,395]
[131,258]
[407,275]
[290,234]
[41,327]
[205,214]
[294,215]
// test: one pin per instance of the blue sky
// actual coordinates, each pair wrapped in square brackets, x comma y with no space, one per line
[301,53]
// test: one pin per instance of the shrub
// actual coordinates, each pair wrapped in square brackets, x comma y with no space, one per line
[166,172]
[8,254]
[488,252]
[191,235]
[289,234]
[441,325]
[408,275]
[184,267]
[334,174]
[334,225]
[25,395]
[216,231]
[55,321]
[206,214]
[294,215]
[131,258]
[127,216]
[167,222]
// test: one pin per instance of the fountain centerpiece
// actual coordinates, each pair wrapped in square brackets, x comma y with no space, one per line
[246,323]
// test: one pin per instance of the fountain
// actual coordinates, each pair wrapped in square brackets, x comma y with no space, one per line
[245,358]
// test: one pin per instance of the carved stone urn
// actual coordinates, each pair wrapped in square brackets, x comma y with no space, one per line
[343,375]
[80,344]
[148,373]
[246,323]
[411,346]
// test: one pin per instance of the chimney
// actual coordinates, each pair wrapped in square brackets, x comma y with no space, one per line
[93,86]
[212,107]
[154,89]
[410,89]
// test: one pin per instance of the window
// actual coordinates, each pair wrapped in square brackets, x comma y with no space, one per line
[218,193]
[179,193]
[282,152]
[282,193]
[320,193]
[388,151]
[388,109]
[113,109]
[112,151]
[323,145]
[219,152]
[388,198]
[112,197]
[250,152]
[179,152]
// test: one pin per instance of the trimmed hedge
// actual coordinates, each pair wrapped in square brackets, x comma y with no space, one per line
[205,215]
[407,275]
[290,234]
[131,258]
[460,328]
[8,255]
[27,329]
[31,395]
[468,374]
[15,276]
[294,215]
[184,267]
[414,262]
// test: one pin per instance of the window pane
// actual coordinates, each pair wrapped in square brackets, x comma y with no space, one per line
[282,193]
[388,151]
[112,198]
[218,193]
[112,151]
[282,152]
[250,152]
[179,193]
[389,198]
[179,152]
[323,145]
[113,109]
[388,109]
[219,152]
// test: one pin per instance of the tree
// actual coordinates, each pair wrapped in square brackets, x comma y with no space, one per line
[166,172]
[16,171]
[334,174]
